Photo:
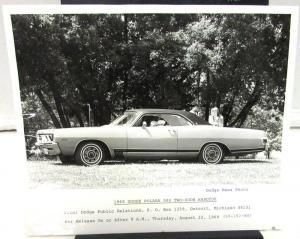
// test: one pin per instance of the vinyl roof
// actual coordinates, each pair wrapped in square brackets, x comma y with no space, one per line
[192,117]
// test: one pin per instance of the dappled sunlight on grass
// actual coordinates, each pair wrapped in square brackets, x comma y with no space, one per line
[117,174]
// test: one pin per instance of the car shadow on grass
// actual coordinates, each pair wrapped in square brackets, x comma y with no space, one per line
[160,162]
[262,161]
[122,162]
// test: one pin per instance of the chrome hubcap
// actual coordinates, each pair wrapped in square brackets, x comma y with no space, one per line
[91,154]
[212,153]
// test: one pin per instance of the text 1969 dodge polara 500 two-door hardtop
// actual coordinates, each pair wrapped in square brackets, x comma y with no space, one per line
[151,134]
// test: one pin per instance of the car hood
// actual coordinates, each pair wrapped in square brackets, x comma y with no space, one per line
[68,131]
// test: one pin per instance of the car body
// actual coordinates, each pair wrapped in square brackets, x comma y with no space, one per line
[151,134]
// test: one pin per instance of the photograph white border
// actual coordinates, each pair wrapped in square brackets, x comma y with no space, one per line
[35,195]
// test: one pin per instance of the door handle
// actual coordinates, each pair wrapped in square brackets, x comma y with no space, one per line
[172,131]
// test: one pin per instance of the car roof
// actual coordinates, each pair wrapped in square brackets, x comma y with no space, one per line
[192,117]
[157,110]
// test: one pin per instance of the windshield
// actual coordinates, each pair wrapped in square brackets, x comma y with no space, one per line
[126,119]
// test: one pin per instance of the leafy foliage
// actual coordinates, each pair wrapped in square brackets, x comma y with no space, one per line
[270,121]
[237,62]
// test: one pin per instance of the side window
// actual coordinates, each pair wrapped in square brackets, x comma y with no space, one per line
[151,120]
[175,120]
[154,120]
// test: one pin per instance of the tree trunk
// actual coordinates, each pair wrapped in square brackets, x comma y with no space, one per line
[48,108]
[59,106]
[198,88]
[127,67]
[87,99]
[75,111]
[253,99]
[125,90]
[242,116]
[207,100]
[227,111]
[66,114]
[58,102]
[78,117]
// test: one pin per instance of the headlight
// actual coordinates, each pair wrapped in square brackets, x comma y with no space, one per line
[44,138]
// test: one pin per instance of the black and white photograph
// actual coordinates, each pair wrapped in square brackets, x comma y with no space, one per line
[144,100]
[150,119]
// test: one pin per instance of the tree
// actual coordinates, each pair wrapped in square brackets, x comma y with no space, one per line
[237,62]
[229,73]
[40,64]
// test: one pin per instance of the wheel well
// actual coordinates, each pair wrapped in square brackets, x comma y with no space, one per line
[223,146]
[99,142]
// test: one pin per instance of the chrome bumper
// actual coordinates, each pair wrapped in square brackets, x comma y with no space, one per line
[49,148]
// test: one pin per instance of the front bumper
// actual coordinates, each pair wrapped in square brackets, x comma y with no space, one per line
[49,148]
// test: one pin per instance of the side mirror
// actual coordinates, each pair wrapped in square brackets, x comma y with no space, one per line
[144,124]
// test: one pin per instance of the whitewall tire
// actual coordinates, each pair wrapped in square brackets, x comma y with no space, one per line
[90,154]
[211,153]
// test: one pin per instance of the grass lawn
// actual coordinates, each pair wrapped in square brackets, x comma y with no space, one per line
[53,175]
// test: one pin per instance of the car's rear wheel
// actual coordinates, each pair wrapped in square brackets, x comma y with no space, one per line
[90,154]
[66,159]
[211,153]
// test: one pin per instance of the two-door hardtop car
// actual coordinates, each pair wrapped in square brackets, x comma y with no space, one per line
[151,134]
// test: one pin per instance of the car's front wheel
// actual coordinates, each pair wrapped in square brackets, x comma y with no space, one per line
[211,153]
[89,154]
